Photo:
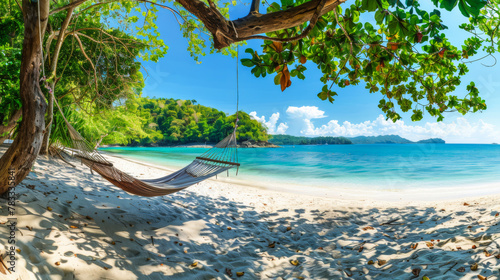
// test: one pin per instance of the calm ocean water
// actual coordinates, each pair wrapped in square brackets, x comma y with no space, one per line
[375,167]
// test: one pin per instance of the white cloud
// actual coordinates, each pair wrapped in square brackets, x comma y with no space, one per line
[282,127]
[305,112]
[271,124]
[457,131]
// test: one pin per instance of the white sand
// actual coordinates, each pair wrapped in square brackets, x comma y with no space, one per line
[97,231]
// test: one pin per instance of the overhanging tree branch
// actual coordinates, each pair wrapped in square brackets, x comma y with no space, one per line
[304,33]
[225,32]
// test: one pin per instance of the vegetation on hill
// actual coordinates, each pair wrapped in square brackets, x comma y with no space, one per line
[283,139]
[382,139]
[184,121]
[432,141]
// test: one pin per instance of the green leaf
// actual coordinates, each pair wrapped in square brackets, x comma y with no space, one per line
[369,5]
[463,9]
[247,62]
[448,4]
[323,95]
[277,78]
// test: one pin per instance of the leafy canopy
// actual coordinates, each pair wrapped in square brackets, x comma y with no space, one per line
[392,47]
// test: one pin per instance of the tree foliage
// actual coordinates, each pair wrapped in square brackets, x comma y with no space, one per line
[486,27]
[10,63]
[182,121]
[391,47]
[9,82]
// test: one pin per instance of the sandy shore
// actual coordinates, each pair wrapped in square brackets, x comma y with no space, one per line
[74,225]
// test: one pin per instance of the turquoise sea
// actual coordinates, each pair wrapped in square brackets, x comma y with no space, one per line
[375,167]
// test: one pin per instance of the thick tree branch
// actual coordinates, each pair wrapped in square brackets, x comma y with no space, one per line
[225,32]
[48,43]
[60,40]
[304,33]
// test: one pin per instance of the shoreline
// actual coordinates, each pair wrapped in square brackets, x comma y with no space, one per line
[75,225]
[414,195]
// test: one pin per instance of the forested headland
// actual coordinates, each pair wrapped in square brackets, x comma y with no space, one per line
[165,122]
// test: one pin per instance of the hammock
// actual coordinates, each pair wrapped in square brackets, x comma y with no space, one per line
[220,158]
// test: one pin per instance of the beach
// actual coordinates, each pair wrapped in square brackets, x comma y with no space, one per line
[75,225]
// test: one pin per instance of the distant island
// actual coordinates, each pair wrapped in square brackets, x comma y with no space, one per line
[392,139]
[432,141]
[382,139]
[282,139]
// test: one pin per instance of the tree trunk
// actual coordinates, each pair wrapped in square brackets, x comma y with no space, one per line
[53,69]
[5,129]
[22,153]
[46,136]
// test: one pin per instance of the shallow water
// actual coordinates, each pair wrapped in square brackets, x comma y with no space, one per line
[375,167]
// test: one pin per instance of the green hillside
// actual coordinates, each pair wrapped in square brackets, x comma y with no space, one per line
[185,121]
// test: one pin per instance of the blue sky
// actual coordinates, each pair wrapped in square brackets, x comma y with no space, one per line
[297,110]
